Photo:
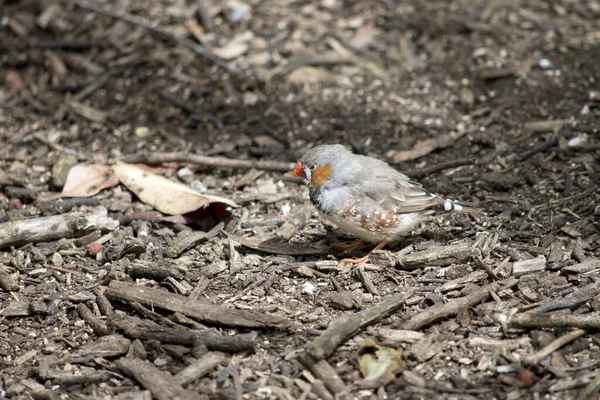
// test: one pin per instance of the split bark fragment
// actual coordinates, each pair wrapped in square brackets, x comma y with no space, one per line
[210,313]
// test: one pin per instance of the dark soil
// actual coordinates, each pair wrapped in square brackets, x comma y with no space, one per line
[508,88]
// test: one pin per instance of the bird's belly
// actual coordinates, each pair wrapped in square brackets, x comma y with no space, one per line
[401,228]
[355,229]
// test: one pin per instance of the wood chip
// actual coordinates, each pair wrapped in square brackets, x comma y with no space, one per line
[525,267]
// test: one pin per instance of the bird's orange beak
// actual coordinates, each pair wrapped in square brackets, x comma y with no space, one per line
[298,171]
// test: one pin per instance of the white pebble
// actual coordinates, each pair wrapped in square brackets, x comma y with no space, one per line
[545,63]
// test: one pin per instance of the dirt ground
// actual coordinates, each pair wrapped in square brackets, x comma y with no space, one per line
[491,103]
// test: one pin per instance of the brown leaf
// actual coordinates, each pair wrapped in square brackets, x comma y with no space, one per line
[426,146]
[163,194]
[86,181]
[13,81]
[364,36]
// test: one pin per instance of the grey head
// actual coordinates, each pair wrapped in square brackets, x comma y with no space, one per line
[327,169]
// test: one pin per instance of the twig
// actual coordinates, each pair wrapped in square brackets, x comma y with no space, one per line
[43,229]
[161,383]
[556,344]
[288,249]
[324,372]
[159,30]
[485,267]
[147,330]
[203,15]
[84,93]
[215,162]
[418,174]
[349,325]
[200,367]
[97,325]
[450,308]
[581,296]
[211,313]
[534,320]
[193,111]
[53,44]
[55,146]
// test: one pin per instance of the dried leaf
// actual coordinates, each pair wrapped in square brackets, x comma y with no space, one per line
[86,181]
[379,364]
[364,36]
[311,75]
[13,81]
[425,147]
[163,194]
[231,50]
[3,178]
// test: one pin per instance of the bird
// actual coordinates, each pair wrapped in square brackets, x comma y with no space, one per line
[367,197]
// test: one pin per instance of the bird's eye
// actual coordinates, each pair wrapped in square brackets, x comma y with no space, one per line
[312,167]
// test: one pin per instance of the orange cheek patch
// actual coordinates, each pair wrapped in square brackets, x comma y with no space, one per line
[320,175]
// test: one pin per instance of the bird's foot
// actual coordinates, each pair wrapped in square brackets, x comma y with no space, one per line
[356,260]
[348,246]
[365,258]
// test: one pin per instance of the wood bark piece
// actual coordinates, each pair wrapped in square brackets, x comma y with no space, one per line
[7,283]
[162,384]
[450,308]
[185,242]
[209,161]
[96,324]
[583,267]
[44,229]
[534,320]
[436,256]
[531,266]
[210,313]
[199,368]
[325,372]
[544,352]
[148,330]
[294,224]
[349,325]
[576,298]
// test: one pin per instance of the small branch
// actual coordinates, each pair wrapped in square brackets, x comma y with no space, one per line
[534,320]
[215,162]
[44,229]
[450,308]
[324,372]
[288,249]
[53,44]
[211,313]
[200,367]
[97,325]
[143,329]
[158,30]
[349,325]
[576,298]
[161,383]
[544,352]
[421,173]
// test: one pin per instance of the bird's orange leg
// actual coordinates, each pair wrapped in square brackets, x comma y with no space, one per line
[348,246]
[365,258]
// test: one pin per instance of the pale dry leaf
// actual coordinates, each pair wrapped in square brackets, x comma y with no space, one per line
[163,194]
[86,180]
[231,50]
[364,36]
[426,146]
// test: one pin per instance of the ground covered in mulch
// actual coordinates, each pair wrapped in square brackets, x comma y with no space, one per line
[490,103]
